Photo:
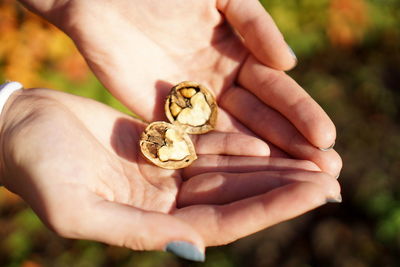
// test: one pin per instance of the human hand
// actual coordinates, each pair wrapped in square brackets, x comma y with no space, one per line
[76,162]
[139,49]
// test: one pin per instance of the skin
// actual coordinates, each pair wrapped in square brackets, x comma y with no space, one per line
[110,193]
[139,49]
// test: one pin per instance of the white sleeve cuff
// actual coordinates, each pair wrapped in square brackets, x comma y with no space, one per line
[6,90]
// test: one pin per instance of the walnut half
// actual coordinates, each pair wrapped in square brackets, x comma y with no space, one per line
[167,145]
[191,106]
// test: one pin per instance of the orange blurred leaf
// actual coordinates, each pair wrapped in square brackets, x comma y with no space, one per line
[29,263]
[348,22]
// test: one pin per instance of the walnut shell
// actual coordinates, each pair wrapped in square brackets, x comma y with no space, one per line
[167,145]
[192,106]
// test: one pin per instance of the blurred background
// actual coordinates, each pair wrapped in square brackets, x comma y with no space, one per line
[349,61]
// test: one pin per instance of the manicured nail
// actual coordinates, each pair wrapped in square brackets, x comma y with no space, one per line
[292,53]
[328,148]
[334,200]
[185,250]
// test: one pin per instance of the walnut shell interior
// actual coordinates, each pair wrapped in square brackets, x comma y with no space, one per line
[191,106]
[167,145]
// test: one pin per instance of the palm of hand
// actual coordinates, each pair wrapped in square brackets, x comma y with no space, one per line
[108,188]
[160,49]
[139,55]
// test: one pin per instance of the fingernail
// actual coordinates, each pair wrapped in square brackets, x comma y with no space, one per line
[328,148]
[185,250]
[292,53]
[334,200]
[337,176]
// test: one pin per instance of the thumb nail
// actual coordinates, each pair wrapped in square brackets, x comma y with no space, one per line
[185,250]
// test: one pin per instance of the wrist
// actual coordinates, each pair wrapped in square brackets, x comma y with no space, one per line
[24,115]
[7,115]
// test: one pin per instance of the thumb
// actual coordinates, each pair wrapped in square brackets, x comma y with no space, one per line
[127,226]
[260,33]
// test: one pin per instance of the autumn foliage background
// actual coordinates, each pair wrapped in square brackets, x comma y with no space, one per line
[349,61]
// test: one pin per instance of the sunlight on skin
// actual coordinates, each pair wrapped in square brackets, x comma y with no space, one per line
[138,51]
[151,51]
[117,190]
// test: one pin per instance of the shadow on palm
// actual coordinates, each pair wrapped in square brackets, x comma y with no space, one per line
[217,186]
[212,178]
[79,166]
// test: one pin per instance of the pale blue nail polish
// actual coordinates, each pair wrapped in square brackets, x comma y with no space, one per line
[185,250]
[334,200]
[292,53]
[328,148]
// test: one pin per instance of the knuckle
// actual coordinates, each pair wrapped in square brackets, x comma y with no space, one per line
[271,79]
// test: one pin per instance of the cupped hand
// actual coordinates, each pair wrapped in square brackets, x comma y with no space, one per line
[139,49]
[77,163]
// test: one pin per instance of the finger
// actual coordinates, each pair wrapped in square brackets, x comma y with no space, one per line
[282,93]
[230,144]
[259,32]
[272,126]
[220,163]
[221,188]
[228,123]
[275,151]
[122,225]
[221,224]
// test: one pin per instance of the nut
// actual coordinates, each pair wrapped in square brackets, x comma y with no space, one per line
[175,109]
[197,114]
[175,147]
[188,92]
[167,146]
[191,106]
[191,109]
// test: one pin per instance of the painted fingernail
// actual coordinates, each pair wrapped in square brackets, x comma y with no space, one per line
[334,199]
[185,250]
[328,148]
[292,53]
